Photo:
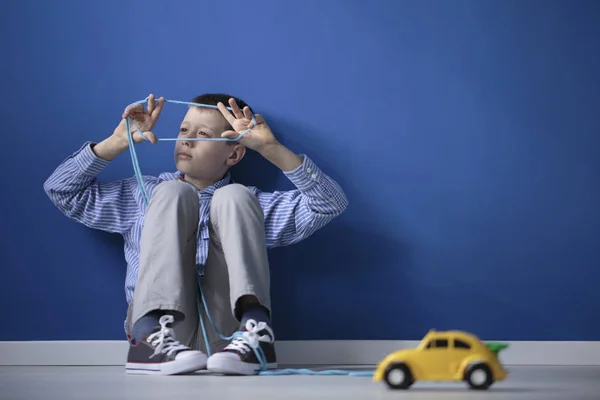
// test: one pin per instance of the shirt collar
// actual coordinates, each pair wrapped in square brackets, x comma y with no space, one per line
[210,190]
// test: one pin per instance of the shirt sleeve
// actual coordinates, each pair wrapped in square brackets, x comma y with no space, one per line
[75,190]
[292,216]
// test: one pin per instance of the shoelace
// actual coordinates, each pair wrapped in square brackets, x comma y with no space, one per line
[164,340]
[250,339]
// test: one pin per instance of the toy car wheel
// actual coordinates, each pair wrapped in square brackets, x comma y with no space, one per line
[479,377]
[398,376]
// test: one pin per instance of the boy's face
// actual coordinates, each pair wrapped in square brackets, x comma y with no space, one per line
[205,161]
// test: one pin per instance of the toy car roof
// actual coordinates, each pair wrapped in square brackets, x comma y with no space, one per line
[495,347]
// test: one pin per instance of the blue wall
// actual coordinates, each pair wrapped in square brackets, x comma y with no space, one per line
[465,133]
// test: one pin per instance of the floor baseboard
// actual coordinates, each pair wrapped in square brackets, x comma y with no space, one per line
[317,352]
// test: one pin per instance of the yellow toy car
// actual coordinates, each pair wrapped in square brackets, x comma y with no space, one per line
[444,356]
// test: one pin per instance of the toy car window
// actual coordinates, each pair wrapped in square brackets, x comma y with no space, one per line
[459,344]
[437,343]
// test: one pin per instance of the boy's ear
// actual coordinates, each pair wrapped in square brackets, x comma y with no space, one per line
[237,153]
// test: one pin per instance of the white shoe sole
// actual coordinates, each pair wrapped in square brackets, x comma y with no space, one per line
[183,366]
[229,366]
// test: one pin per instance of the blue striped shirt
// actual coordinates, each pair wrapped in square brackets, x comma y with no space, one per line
[117,207]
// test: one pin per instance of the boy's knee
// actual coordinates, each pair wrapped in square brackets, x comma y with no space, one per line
[234,194]
[175,190]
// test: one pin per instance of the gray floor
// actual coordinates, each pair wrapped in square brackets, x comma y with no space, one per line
[48,383]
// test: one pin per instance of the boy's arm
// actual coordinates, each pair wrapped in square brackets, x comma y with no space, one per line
[111,206]
[291,216]
[75,190]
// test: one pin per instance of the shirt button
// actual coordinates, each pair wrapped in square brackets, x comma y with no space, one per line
[308,170]
[313,176]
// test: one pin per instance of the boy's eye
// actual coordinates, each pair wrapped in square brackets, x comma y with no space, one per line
[203,133]
[183,130]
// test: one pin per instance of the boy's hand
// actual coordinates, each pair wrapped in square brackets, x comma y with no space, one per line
[117,143]
[146,120]
[258,139]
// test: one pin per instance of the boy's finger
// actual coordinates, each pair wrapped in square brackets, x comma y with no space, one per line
[230,134]
[247,112]
[156,111]
[131,110]
[230,118]
[146,136]
[151,104]
[235,108]
[151,137]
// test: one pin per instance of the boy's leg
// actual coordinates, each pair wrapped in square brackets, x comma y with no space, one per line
[163,309]
[236,284]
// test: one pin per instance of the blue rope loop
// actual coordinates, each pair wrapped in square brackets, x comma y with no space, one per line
[146,198]
[136,167]
[221,139]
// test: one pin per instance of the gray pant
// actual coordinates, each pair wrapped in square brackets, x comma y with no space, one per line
[237,261]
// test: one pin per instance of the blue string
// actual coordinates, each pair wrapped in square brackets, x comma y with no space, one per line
[136,167]
[290,371]
[259,352]
[146,198]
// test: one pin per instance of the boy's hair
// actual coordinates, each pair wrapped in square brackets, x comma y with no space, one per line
[212,99]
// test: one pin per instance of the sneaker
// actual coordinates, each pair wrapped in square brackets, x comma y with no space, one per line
[160,353]
[239,357]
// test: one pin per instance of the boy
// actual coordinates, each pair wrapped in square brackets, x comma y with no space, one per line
[198,225]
